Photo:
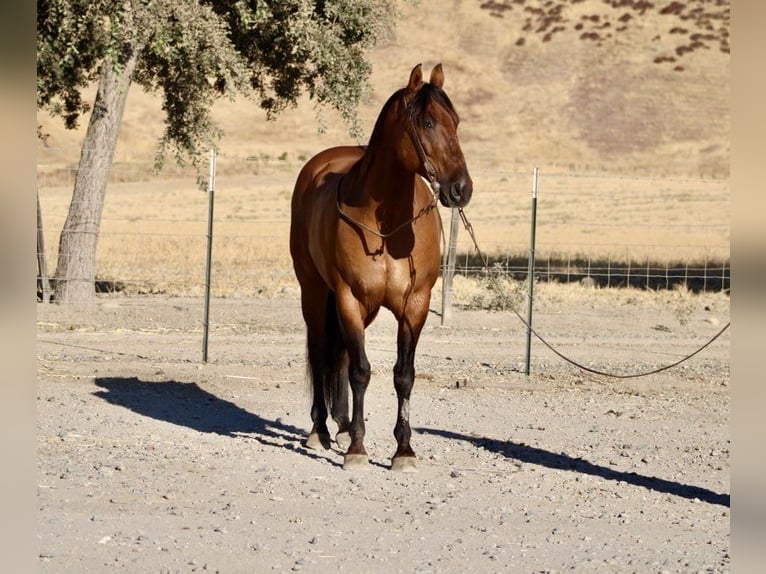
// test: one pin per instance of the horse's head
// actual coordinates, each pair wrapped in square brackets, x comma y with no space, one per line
[432,148]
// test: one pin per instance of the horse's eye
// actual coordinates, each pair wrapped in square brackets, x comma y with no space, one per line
[428,123]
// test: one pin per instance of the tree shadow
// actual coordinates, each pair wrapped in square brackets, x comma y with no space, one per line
[187,405]
[541,457]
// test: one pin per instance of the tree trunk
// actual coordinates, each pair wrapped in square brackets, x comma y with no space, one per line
[76,269]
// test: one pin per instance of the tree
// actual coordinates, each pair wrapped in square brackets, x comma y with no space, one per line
[190,52]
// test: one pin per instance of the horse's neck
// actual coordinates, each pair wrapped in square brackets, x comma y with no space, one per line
[381,180]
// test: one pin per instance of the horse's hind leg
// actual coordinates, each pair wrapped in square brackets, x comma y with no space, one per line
[316,347]
[339,409]
[319,437]
[352,328]
[337,388]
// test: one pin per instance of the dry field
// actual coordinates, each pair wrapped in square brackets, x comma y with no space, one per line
[154,232]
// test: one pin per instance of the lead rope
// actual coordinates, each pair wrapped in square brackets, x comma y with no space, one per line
[375,232]
[485,262]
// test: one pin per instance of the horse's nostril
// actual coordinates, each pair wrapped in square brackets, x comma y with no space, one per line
[457,193]
[456,190]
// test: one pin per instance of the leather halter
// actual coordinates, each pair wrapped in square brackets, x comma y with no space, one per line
[427,165]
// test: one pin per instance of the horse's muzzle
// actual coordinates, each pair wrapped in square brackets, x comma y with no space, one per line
[456,193]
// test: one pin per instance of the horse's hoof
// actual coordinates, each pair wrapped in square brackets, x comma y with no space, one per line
[343,439]
[355,462]
[404,464]
[316,440]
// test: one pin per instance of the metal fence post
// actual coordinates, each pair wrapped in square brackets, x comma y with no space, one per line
[208,264]
[531,272]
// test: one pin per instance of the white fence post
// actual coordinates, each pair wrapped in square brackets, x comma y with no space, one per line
[531,272]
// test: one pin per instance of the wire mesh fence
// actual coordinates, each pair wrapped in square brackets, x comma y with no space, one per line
[697,276]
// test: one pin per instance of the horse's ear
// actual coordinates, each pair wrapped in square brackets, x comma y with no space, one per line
[437,76]
[416,78]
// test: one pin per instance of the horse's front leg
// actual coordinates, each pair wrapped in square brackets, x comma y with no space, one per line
[404,379]
[352,328]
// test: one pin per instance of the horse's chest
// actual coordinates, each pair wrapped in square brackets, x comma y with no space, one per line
[382,271]
[385,280]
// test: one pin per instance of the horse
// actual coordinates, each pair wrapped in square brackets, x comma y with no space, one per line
[364,234]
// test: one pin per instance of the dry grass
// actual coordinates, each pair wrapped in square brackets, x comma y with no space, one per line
[657,141]
[678,304]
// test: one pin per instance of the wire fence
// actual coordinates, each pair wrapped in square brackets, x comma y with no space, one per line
[605,231]
[697,276]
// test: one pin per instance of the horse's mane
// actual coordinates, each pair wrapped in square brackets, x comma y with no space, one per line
[417,106]
[430,92]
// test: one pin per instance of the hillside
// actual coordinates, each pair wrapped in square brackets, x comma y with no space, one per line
[569,93]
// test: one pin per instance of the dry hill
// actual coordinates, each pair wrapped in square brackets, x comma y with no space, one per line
[615,86]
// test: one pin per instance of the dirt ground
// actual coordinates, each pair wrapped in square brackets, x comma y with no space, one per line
[151,461]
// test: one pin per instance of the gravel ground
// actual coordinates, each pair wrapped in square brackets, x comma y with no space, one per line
[151,461]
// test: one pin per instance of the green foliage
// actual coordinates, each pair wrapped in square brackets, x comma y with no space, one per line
[192,52]
[72,40]
[317,45]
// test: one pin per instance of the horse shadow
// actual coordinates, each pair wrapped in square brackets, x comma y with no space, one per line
[188,405]
[541,457]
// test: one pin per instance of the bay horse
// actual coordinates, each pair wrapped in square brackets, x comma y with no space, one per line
[365,234]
